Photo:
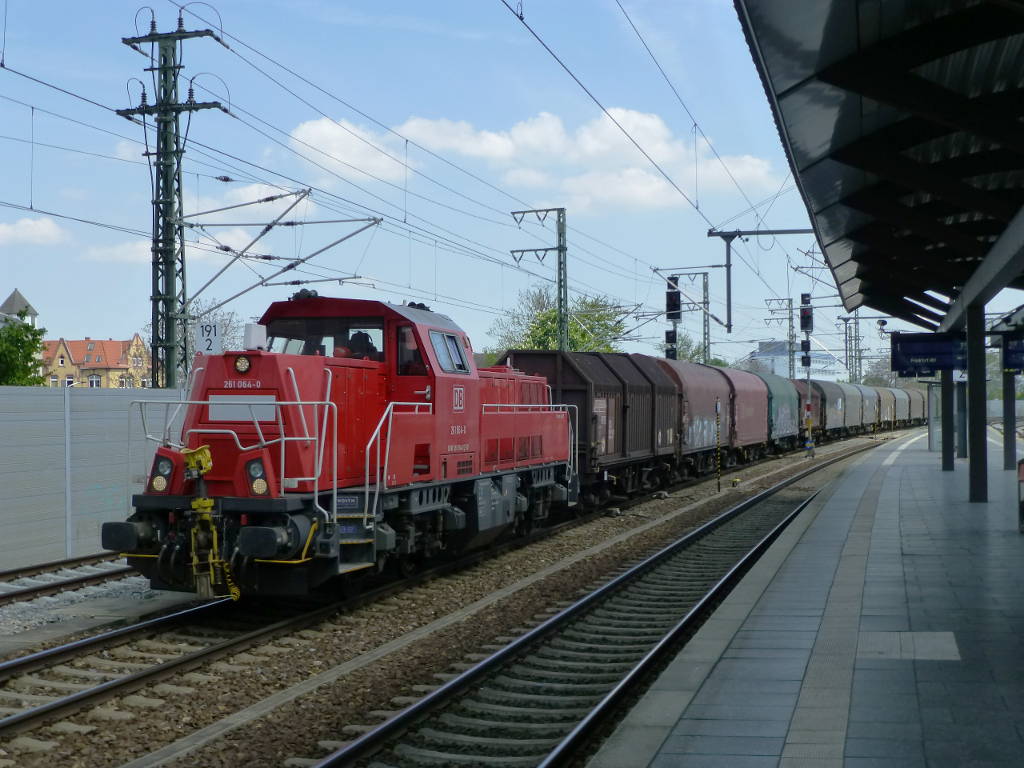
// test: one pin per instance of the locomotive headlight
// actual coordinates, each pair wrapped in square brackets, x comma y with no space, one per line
[159,483]
[259,486]
[242,364]
[164,467]
[256,469]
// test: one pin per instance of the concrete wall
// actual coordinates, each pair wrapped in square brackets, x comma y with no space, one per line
[69,461]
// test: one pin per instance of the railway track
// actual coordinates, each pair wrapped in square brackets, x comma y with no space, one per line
[60,680]
[534,701]
[54,683]
[63,679]
[51,578]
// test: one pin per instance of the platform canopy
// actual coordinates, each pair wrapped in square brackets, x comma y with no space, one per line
[901,121]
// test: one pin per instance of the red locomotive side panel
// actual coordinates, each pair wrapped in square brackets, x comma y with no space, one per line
[412,406]
[517,426]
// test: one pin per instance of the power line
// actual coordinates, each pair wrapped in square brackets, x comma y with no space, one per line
[115,134]
[383,126]
[608,114]
[404,224]
[92,222]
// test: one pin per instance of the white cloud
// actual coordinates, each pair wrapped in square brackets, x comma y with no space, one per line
[43,231]
[138,251]
[130,252]
[525,177]
[592,165]
[128,150]
[627,187]
[345,146]
[458,136]
[595,163]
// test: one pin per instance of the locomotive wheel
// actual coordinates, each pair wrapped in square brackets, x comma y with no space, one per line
[407,565]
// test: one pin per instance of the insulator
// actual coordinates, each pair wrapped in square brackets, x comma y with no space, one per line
[223,178]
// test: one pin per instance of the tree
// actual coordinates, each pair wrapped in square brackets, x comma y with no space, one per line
[21,345]
[689,350]
[878,373]
[595,323]
[229,324]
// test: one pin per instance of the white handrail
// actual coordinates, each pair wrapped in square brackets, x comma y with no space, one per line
[302,414]
[319,438]
[387,416]
[190,381]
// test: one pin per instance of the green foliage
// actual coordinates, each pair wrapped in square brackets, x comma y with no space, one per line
[20,348]
[688,349]
[595,324]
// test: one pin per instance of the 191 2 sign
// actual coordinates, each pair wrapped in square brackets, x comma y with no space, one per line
[208,339]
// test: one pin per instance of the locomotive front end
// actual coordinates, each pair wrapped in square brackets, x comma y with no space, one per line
[245,489]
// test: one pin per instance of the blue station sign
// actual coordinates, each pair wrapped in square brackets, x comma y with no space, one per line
[922,354]
[1013,353]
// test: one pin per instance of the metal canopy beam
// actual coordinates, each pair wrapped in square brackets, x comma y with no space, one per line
[891,210]
[936,273]
[915,278]
[892,166]
[924,98]
[1003,264]
[902,309]
[905,141]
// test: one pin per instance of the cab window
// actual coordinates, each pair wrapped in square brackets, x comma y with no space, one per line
[410,359]
[449,352]
[361,338]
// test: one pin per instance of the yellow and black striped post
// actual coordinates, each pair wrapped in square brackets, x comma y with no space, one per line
[718,442]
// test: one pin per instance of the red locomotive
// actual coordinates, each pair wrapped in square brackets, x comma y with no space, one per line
[360,433]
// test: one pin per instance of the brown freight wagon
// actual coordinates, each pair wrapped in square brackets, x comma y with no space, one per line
[748,407]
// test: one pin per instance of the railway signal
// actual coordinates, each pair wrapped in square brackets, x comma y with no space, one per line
[673,305]
[807,326]
[807,319]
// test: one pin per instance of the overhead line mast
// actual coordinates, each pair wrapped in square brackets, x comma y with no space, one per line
[169,347]
[563,278]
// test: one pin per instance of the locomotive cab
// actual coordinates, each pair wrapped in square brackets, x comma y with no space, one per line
[355,437]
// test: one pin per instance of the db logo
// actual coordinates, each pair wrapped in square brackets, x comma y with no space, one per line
[458,398]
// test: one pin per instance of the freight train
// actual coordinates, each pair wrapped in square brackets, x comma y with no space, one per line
[352,435]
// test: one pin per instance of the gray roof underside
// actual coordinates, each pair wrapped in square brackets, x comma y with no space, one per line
[900,120]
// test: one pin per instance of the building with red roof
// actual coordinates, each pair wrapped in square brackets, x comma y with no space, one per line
[105,363]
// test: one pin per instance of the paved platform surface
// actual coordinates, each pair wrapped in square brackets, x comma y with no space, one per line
[884,629]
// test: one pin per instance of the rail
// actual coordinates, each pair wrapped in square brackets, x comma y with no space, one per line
[415,714]
[323,436]
[386,418]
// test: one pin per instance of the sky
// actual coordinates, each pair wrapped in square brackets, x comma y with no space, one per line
[441,118]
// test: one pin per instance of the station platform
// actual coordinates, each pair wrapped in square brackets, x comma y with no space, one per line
[884,628]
